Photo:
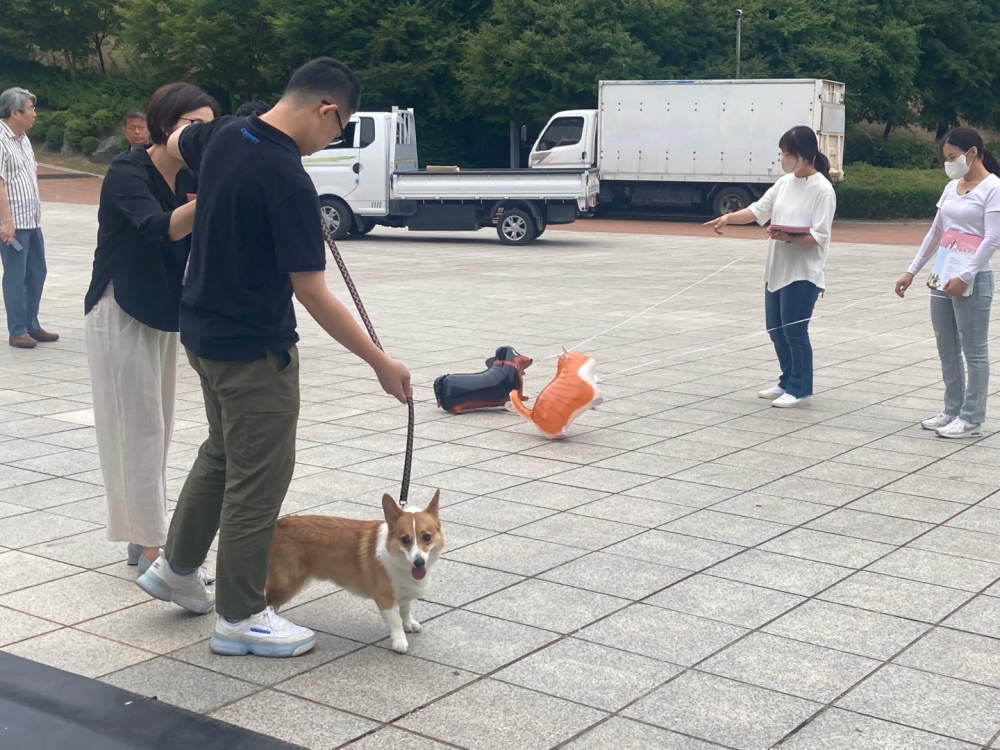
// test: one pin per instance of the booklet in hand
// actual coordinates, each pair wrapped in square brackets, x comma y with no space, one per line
[790,229]
[954,257]
[191,196]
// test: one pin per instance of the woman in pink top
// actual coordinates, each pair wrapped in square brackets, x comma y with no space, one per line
[968,217]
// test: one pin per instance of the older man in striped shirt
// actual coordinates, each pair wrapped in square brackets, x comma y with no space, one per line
[22,248]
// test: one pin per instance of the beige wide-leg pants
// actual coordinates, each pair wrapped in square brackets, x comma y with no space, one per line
[133,374]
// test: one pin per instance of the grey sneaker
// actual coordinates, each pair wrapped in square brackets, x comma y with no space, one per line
[772,393]
[959,428]
[161,582]
[937,422]
[134,553]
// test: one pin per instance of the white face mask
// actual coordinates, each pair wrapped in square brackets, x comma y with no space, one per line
[957,169]
[790,164]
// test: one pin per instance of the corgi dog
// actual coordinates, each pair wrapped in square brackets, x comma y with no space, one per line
[386,561]
[573,391]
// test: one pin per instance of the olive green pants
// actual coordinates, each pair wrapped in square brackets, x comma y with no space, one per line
[239,480]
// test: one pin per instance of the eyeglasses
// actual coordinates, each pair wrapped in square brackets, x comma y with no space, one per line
[192,120]
[340,123]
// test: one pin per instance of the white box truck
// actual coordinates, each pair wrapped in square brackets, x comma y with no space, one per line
[370,177]
[702,145]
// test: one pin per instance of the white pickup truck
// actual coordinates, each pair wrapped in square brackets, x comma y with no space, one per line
[370,177]
[708,145]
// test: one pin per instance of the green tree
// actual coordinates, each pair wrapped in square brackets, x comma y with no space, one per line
[871,46]
[224,45]
[74,29]
[959,64]
[406,53]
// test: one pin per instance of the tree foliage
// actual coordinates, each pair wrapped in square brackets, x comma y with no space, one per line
[470,66]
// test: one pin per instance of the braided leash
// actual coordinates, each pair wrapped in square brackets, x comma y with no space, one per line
[408,459]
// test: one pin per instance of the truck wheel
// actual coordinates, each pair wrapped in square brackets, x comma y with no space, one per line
[361,226]
[729,200]
[337,216]
[517,227]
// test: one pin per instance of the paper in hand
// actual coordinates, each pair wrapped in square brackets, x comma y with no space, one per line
[16,245]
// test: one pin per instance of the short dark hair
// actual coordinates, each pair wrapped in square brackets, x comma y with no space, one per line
[170,102]
[252,107]
[134,114]
[326,78]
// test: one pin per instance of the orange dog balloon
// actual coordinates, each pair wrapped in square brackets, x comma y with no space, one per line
[573,392]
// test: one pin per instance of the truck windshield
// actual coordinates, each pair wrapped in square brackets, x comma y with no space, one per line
[563,131]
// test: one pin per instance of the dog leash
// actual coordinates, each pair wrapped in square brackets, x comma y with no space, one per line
[404,491]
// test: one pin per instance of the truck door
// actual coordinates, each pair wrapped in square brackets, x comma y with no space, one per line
[566,142]
[372,168]
[333,168]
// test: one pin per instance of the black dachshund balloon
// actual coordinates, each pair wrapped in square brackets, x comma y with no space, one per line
[482,390]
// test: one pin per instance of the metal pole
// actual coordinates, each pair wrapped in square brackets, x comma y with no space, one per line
[739,19]
[515,147]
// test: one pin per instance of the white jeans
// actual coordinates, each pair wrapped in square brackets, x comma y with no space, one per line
[133,374]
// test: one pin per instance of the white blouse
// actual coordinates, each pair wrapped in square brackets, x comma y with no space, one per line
[976,213]
[798,202]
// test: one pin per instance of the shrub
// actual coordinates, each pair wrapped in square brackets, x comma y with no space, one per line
[78,128]
[54,137]
[880,194]
[861,148]
[89,144]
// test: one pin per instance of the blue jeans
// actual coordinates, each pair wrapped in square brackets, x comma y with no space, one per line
[962,327]
[786,313]
[23,278]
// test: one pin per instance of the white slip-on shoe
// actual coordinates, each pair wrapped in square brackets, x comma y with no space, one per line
[787,401]
[937,422]
[189,591]
[959,428]
[264,634]
[772,393]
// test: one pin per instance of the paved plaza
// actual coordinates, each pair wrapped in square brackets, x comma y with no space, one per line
[691,569]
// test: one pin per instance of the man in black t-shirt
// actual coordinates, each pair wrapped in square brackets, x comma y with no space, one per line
[257,241]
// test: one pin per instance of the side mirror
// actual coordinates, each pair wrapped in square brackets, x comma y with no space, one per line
[524,134]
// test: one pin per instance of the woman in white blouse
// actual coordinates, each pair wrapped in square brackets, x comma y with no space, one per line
[795,270]
[968,216]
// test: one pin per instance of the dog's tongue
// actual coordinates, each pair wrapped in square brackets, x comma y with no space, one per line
[419,573]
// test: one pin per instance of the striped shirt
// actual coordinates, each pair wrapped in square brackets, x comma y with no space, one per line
[19,172]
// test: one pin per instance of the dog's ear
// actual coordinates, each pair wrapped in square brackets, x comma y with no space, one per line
[491,361]
[391,510]
[433,507]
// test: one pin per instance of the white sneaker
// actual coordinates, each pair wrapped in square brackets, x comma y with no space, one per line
[772,393]
[264,634]
[143,562]
[787,400]
[936,423]
[189,591]
[959,428]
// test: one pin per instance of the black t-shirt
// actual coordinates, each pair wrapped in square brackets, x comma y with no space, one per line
[133,246]
[258,220]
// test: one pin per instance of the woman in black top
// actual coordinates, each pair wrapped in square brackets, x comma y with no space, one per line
[131,319]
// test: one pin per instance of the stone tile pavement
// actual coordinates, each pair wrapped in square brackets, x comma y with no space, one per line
[692,569]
